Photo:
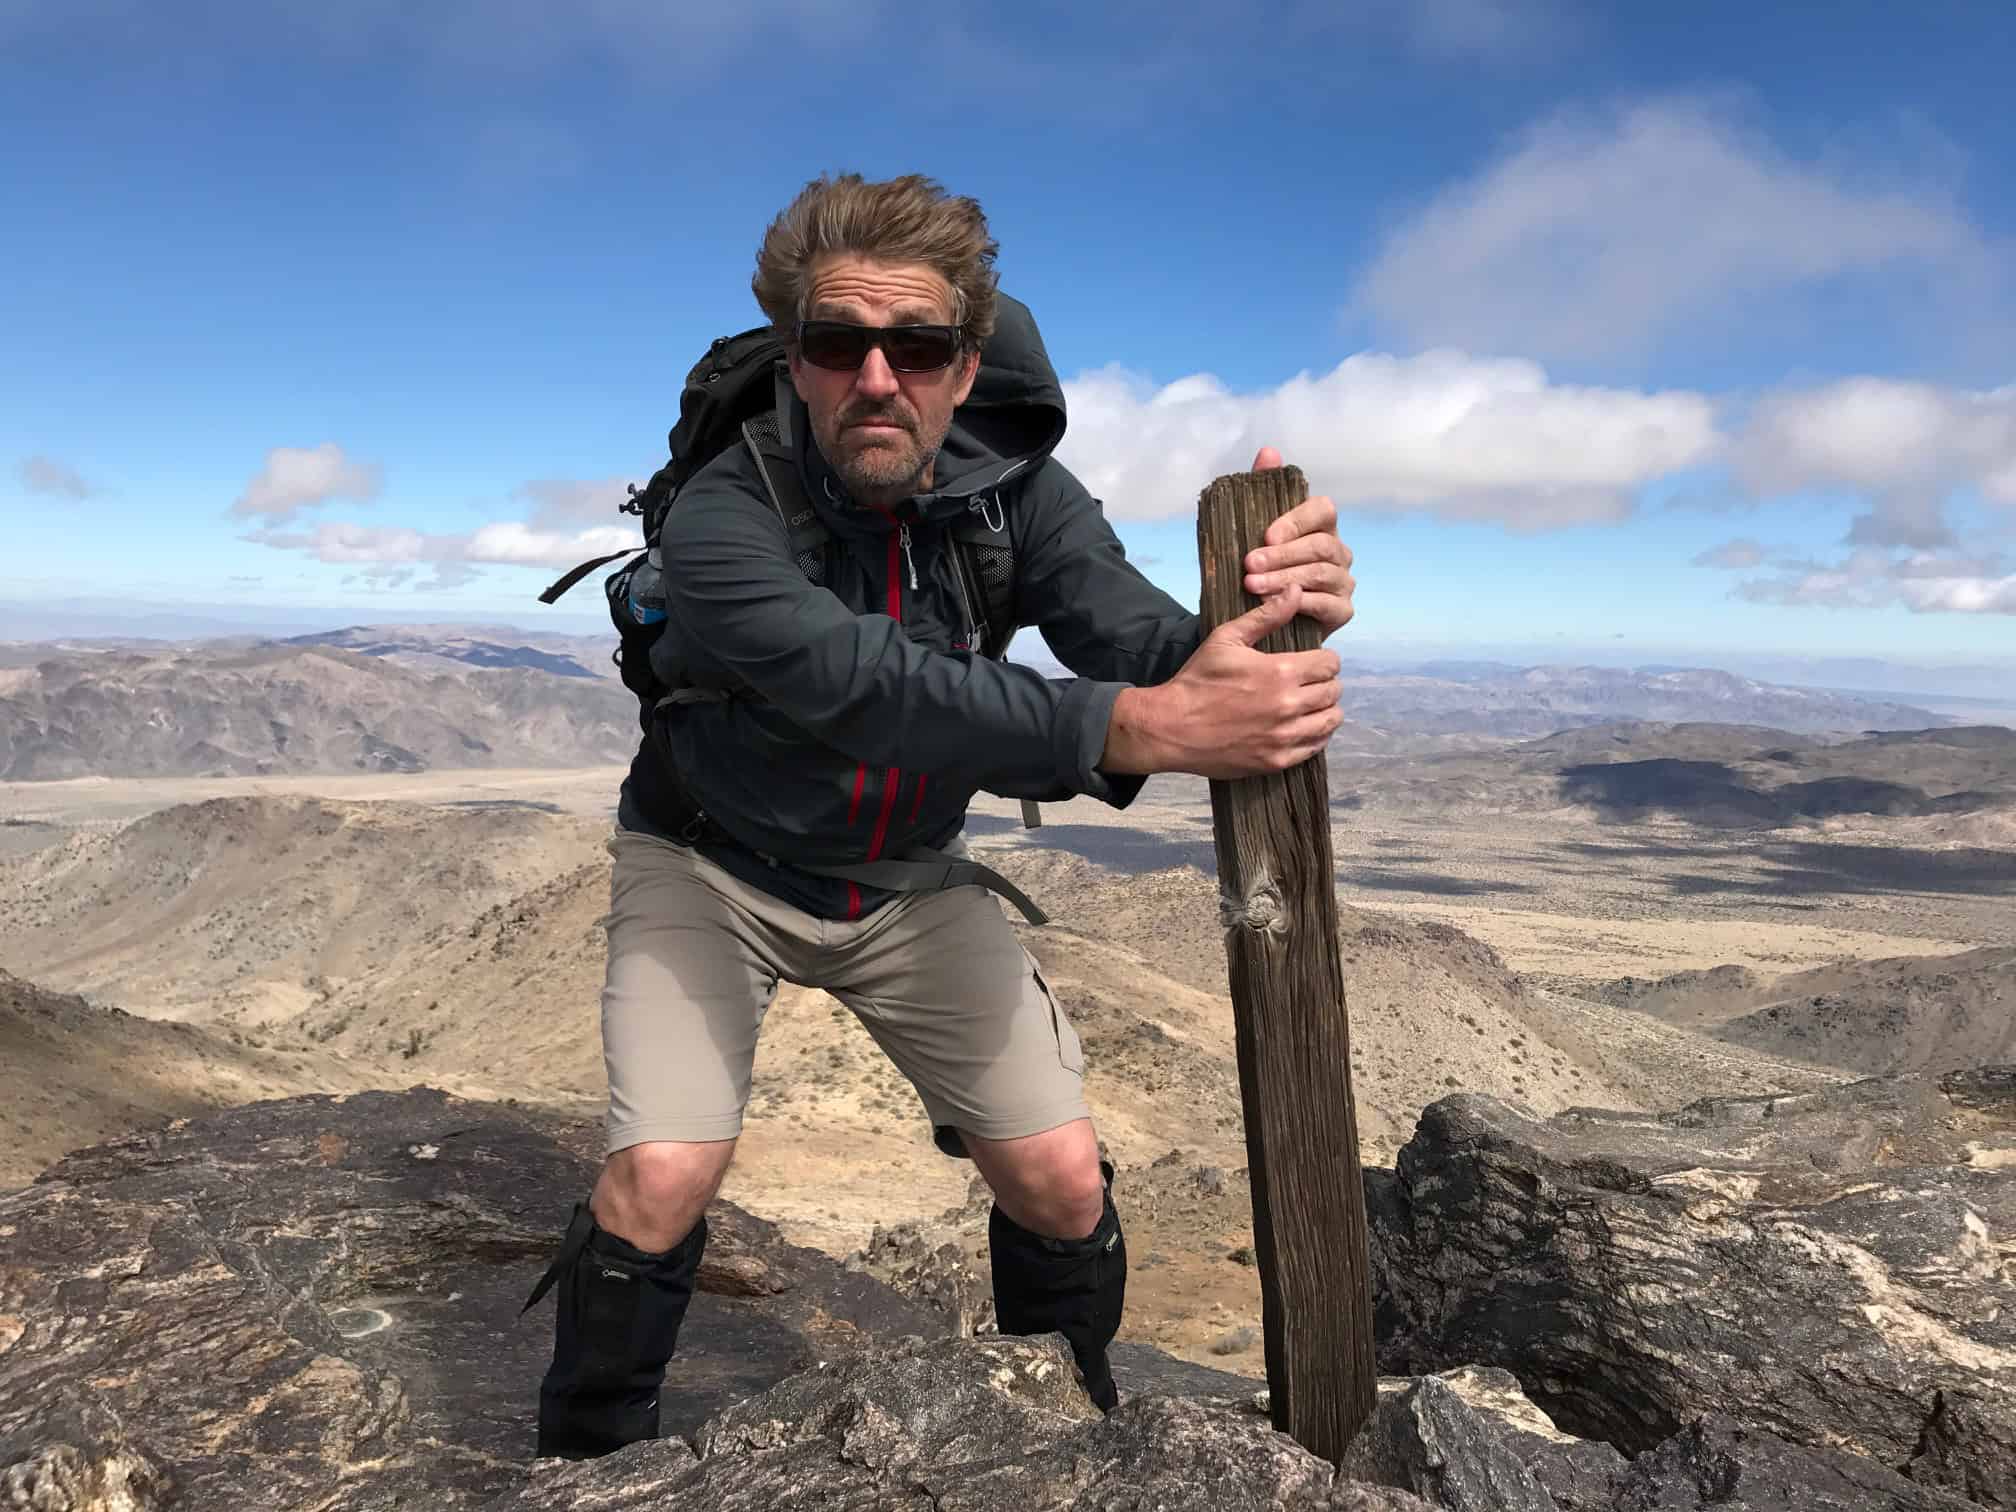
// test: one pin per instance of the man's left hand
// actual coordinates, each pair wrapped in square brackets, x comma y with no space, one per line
[1302,547]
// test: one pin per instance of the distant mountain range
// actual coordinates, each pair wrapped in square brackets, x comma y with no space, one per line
[1524,703]
[418,697]
[1725,776]
[279,707]
[427,646]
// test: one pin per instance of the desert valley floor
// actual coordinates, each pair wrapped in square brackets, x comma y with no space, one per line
[266,936]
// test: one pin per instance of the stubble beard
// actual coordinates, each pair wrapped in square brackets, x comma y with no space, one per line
[885,470]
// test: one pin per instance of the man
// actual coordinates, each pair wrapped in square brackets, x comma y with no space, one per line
[850,721]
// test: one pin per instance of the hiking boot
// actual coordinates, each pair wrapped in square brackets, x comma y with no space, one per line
[1076,1287]
[615,1326]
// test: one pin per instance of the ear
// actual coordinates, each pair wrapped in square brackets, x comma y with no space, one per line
[969,369]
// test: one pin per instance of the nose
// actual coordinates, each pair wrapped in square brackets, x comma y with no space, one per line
[876,379]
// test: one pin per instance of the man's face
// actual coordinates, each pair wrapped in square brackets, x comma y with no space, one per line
[881,429]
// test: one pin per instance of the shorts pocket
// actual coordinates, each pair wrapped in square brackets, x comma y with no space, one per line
[1070,1054]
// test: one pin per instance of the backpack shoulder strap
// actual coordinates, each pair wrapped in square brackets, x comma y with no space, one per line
[574,575]
[983,551]
[786,491]
[983,547]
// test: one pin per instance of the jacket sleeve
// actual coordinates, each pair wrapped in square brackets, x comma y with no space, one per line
[1101,617]
[1097,612]
[856,682]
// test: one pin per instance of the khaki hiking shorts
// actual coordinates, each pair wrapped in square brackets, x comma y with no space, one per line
[938,978]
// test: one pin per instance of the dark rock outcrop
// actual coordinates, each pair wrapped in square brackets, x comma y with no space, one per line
[1831,1267]
[1469,1440]
[297,1293]
[995,1425]
[1722,1464]
[314,1304]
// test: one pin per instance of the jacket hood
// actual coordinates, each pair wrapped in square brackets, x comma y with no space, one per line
[1009,424]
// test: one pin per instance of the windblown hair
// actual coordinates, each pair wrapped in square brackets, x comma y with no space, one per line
[901,220]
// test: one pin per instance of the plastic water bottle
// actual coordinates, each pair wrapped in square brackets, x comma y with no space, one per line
[646,599]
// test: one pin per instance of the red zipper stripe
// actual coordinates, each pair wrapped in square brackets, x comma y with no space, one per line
[892,781]
[890,785]
[917,807]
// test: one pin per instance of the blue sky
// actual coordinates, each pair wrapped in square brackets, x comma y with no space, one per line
[1661,327]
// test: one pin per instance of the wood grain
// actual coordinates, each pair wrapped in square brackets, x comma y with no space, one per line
[1278,903]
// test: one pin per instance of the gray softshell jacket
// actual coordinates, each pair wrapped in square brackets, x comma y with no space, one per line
[874,719]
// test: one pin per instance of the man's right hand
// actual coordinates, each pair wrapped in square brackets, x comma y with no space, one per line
[1232,711]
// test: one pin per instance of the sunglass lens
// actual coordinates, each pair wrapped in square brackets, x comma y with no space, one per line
[833,344]
[844,346]
[919,349]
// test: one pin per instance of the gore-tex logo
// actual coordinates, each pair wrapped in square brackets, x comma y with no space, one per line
[962,644]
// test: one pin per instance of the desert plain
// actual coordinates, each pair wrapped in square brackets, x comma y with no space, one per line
[1632,914]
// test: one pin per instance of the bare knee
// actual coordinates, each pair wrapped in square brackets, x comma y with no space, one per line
[1049,1183]
[1072,1205]
[652,1194]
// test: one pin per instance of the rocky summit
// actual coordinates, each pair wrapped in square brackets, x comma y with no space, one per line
[1833,1266]
[315,1303]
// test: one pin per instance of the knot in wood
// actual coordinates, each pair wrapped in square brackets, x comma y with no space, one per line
[1260,910]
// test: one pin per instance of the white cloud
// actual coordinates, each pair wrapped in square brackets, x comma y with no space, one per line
[1962,595]
[1905,447]
[1439,433]
[563,501]
[519,545]
[46,475]
[340,541]
[1882,435]
[1907,450]
[1596,236]
[507,543]
[297,478]
[1732,554]
[1921,581]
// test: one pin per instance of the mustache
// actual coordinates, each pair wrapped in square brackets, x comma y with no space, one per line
[875,417]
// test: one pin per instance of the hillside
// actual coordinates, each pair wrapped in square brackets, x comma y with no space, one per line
[1515,703]
[277,708]
[462,947]
[358,925]
[487,647]
[1718,775]
[1910,1013]
[252,910]
[410,698]
[77,1074]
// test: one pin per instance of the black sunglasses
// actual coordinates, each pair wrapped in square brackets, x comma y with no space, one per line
[843,346]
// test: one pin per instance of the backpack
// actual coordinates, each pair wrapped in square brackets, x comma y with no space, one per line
[730,397]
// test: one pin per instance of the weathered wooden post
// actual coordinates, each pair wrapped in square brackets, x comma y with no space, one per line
[1277,886]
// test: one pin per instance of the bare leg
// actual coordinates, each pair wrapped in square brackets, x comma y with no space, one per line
[626,1273]
[651,1195]
[1049,1183]
[1059,1261]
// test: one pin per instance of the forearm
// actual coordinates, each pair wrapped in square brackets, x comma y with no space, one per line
[1136,743]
